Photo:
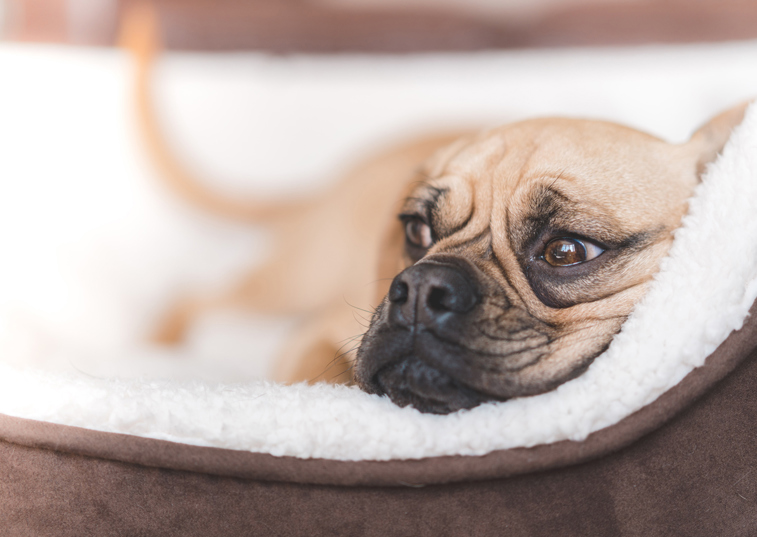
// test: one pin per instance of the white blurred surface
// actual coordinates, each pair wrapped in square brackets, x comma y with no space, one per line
[95,248]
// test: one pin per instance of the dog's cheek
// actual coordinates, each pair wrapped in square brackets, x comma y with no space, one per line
[570,355]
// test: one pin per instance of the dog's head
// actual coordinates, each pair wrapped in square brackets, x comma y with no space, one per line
[522,250]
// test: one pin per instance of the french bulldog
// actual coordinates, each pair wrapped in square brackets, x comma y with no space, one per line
[525,249]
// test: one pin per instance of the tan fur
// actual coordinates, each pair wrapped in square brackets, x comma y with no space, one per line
[348,241]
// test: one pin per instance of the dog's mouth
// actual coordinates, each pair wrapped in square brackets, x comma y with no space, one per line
[414,383]
[409,367]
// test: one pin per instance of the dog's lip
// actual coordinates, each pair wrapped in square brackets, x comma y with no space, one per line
[442,397]
[423,344]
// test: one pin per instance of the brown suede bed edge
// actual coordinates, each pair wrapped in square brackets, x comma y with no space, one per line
[433,470]
[694,477]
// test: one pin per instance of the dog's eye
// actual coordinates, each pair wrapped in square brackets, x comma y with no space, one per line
[565,251]
[418,233]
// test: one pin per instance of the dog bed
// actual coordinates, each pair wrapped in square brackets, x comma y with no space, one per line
[656,438]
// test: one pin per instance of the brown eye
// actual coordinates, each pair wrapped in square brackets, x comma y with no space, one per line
[564,252]
[418,233]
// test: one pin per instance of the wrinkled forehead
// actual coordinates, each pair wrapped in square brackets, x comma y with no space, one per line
[523,151]
[515,168]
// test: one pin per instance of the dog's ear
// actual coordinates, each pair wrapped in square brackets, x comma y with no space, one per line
[710,138]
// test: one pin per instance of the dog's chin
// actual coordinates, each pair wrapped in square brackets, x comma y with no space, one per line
[408,368]
[412,382]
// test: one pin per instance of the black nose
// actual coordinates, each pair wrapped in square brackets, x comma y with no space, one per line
[429,292]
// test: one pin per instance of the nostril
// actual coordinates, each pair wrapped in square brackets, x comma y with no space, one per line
[437,299]
[398,292]
[451,296]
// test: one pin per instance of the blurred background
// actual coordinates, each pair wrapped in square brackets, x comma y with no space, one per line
[389,25]
[265,98]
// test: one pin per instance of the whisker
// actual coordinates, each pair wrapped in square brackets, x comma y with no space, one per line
[358,321]
[559,176]
[349,369]
[355,307]
[345,353]
[351,338]
[366,326]
[337,359]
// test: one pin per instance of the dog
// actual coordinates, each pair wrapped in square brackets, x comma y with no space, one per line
[526,248]
[503,262]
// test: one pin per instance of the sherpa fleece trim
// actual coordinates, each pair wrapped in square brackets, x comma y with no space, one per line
[703,291]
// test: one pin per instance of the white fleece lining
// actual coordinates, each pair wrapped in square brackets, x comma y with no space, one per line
[696,300]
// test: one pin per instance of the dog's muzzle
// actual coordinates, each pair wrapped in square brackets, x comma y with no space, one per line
[425,302]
